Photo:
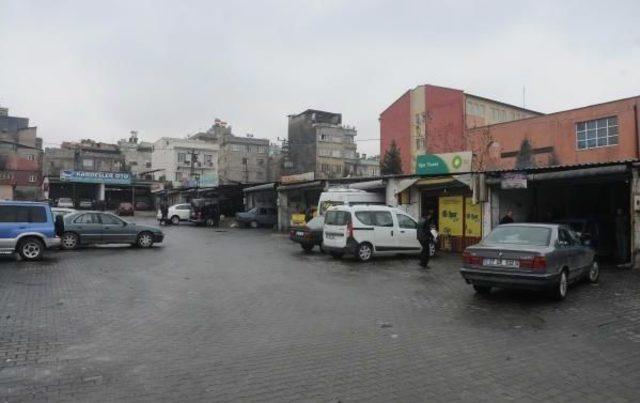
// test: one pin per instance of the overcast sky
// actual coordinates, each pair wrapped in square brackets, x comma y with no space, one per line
[98,69]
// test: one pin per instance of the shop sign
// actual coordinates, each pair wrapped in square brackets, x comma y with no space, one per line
[513,181]
[108,178]
[157,187]
[305,177]
[448,163]
[472,218]
[450,215]
[298,220]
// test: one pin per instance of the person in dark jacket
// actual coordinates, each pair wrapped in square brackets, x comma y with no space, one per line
[425,238]
[508,218]
[164,211]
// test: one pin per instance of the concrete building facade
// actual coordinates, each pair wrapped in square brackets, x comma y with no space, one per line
[137,156]
[185,162]
[431,120]
[20,158]
[318,142]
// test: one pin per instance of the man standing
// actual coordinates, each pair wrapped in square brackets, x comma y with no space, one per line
[164,211]
[508,218]
[425,238]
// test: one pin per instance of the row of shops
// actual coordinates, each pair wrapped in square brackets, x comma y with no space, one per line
[602,200]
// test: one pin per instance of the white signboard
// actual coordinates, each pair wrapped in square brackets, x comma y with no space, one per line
[513,181]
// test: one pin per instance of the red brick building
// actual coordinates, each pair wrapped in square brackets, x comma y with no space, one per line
[432,119]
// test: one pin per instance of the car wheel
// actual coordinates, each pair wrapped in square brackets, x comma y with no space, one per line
[70,240]
[145,240]
[336,255]
[31,249]
[480,289]
[560,290]
[307,247]
[594,272]
[253,224]
[175,220]
[209,222]
[432,249]
[364,252]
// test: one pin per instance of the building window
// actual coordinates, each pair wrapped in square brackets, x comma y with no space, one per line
[324,168]
[178,176]
[236,147]
[260,161]
[324,137]
[31,157]
[244,161]
[182,157]
[32,178]
[597,133]
[87,163]
[208,158]
[420,143]
[147,164]
[248,148]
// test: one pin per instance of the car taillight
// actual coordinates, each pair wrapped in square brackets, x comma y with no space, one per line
[535,263]
[469,258]
[349,229]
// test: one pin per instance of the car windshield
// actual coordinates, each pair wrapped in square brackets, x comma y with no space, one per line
[253,210]
[329,203]
[519,235]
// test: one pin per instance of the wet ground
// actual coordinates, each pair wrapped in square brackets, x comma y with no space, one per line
[245,315]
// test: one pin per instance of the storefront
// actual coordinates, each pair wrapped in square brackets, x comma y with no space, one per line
[295,200]
[260,196]
[593,200]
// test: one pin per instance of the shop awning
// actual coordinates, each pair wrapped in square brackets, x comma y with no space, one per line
[436,181]
[568,173]
[260,188]
[306,185]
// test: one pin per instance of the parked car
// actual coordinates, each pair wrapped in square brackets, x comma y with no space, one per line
[529,256]
[205,211]
[65,202]
[309,235]
[57,211]
[590,230]
[28,228]
[85,204]
[177,213]
[366,231]
[143,205]
[94,227]
[124,208]
[258,217]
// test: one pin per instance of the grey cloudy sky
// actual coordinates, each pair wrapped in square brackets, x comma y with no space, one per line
[98,69]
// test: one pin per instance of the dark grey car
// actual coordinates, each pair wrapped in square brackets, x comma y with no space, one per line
[529,256]
[94,227]
[258,217]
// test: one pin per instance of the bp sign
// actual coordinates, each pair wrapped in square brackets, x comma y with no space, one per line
[449,163]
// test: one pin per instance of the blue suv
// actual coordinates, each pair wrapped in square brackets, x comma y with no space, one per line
[28,228]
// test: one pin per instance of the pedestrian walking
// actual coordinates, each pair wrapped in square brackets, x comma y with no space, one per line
[508,218]
[425,238]
[164,211]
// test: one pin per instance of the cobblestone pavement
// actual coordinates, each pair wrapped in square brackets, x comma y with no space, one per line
[245,315]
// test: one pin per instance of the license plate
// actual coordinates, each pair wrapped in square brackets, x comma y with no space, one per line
[329,236]
[501,262]
[300,233]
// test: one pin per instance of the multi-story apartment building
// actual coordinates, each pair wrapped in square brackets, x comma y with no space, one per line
[366,167]
[242,159]
[137,156]
[430,120]
[20,158]
[320,143]
[185,162]
[85,155]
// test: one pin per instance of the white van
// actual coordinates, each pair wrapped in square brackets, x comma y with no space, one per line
[367,231]
[347,197]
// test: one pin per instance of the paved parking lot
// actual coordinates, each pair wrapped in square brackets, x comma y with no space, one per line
[230,315]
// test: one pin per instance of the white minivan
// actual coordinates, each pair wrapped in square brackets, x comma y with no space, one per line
[347,197]
[369,230]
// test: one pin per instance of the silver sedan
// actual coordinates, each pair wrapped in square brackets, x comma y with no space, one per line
[529,256]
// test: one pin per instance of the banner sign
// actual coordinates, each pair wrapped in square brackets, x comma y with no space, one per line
[513,181]
[450,211]
[449,163]
[472,218]
[305,177]
[108,178]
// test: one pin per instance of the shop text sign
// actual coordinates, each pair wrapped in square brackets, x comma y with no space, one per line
[108,178]
[448,163]
[513,181]
[450,217]
[305,177]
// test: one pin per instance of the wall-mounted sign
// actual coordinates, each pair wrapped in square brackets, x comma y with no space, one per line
[108,178]
[305,177]
[450,215]
[472,218]
[513,181]
[449,163]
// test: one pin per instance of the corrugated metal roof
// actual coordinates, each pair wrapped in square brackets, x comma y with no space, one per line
[565,166]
